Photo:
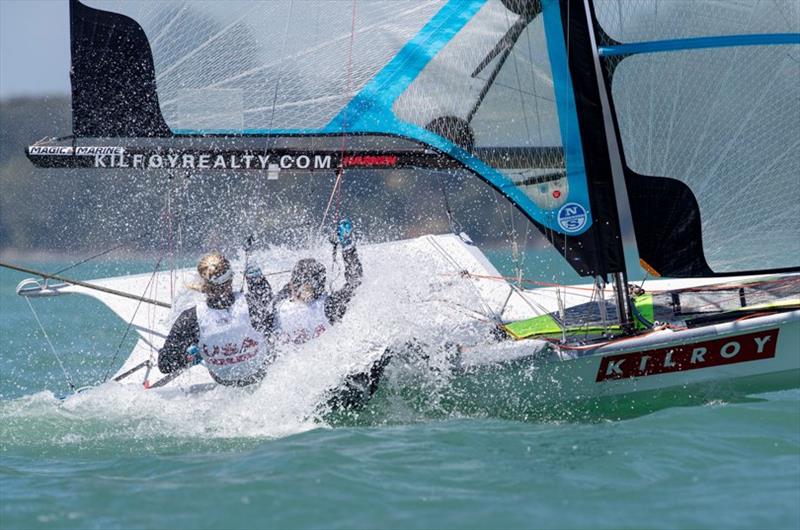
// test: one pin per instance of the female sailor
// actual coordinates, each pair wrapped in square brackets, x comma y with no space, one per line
[303,308]
[227,331]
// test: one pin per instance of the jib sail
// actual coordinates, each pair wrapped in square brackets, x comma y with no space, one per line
[706,102]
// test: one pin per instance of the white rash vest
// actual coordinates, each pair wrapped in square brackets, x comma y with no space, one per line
[298,322]
[231,348]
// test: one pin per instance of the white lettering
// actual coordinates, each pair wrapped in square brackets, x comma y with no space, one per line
[173,160]
[697,355]
[263,160]
[321,162]
[99,161]
[286,161]
[121,161]
[303,162]
[761,342]
[52,150]
[234,164]
[219,162]
[643,362]
[247,159]
[730,349]
[94,150]
[155,161]
[613,367]
[188,161]
[138,160]
[668,360]
[205,162]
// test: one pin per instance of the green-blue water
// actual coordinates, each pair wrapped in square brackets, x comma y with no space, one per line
[71,465]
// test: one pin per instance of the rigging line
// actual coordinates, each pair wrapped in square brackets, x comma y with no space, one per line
[337,185]
[90,258]
[460,308]
[130,322]
[280,77]
[52,348]
[535,94]
[501,52]
[534,282]
[435,244]
[515,61]
[520,91]
[102,253]
[535,306]
[170,249]
[339,173]
[84,284]
[450,217]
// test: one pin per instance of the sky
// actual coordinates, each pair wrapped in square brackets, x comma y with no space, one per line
[34,47]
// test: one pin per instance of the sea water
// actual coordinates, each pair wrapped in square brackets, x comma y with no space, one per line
[121,458]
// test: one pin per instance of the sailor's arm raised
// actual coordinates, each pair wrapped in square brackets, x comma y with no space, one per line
[337,302]
[259,300]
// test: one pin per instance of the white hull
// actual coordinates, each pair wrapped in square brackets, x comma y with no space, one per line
[756,354]
[598,385]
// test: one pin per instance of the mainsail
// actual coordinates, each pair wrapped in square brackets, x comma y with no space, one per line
[486,86]
[547,101]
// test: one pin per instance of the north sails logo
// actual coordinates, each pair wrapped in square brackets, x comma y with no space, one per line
[214,161]
[742,348]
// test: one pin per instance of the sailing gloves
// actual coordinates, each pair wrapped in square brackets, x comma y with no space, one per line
[253,272]
[344,234]
[193,355]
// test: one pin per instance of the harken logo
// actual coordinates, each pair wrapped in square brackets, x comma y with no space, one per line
[729,350]
[572,217]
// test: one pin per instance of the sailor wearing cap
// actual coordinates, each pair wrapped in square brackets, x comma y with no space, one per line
[227,331]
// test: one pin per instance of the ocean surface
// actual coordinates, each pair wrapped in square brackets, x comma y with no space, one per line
[112,459]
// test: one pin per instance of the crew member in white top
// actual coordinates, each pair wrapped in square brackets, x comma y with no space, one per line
[303,308]
[228,331]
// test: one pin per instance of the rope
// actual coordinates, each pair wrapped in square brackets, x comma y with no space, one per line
[52,348]
[130,323]
[90,258]
[455,227]
[525,280]
[339,175]
[337,185]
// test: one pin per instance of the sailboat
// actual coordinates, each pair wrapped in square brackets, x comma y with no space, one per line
[661,129]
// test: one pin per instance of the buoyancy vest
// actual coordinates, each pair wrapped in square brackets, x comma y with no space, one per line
[299,322]
[231,348]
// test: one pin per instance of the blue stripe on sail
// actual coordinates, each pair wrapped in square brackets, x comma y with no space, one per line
[725,41]
[370,111]
[245,132]
[373,104]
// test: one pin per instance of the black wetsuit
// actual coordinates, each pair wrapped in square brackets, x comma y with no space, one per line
[186,332]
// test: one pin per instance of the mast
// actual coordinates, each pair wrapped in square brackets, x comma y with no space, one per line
[621,291]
